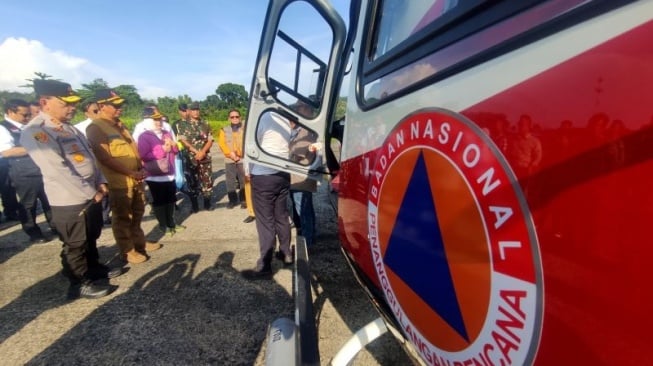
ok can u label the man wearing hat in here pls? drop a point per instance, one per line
(74, 184)
(195, 135)
(183, 116)
(120, 163)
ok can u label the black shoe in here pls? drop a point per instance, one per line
(38, 240)
(101, 271)
(88, 291)
(107, 222)
(287, 259)
(109, 273)
(195, 207)
(207, 204)
(114, 272)
(257, 274)
(231, 205)
(249, 219)
(243, 205)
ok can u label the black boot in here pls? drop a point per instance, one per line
(170, 215)
(233, 199)
(241, 198)
(160, 214)
(207, 204)
(194, 204)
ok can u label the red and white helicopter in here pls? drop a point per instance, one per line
(493, 169)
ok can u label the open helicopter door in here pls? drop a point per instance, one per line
(295, 76)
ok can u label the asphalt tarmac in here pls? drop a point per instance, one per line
(187, 305)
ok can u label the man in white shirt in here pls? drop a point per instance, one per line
(91, 111)
(270, 196)
(25, 175)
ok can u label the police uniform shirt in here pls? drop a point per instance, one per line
(70, 172)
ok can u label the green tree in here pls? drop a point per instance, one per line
(39, 75)
(130, 94)
(88, 90)
(6, 95)
(231, 96)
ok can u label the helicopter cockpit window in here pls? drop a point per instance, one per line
(398, 25)
(298, 61)
(423, 40)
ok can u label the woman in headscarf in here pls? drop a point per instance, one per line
(157, 149)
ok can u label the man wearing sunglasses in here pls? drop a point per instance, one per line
(25, 176)
(91, 111)
(75, 185)
(230, 140)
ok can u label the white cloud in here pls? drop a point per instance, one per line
(21, 58)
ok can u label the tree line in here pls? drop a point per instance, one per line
(215, 108)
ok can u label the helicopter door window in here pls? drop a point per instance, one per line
(296, 72)
(299, 57)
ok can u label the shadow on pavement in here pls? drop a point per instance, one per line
(173, 316)
(33, 301)
(13, 239)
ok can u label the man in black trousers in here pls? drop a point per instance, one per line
(25, 176)
(270, 195)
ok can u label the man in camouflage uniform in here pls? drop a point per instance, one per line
(196, 136)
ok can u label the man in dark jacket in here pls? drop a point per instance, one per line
(25, 176)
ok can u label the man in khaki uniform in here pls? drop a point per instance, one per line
(120, 163)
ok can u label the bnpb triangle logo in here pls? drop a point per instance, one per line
(454, 244)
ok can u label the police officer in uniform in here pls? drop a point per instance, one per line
(25, 176)
(74, 183)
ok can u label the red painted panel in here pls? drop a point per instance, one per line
(590, 196)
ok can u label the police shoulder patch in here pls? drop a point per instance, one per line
(41, 137)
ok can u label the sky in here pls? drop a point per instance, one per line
(163, 48)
